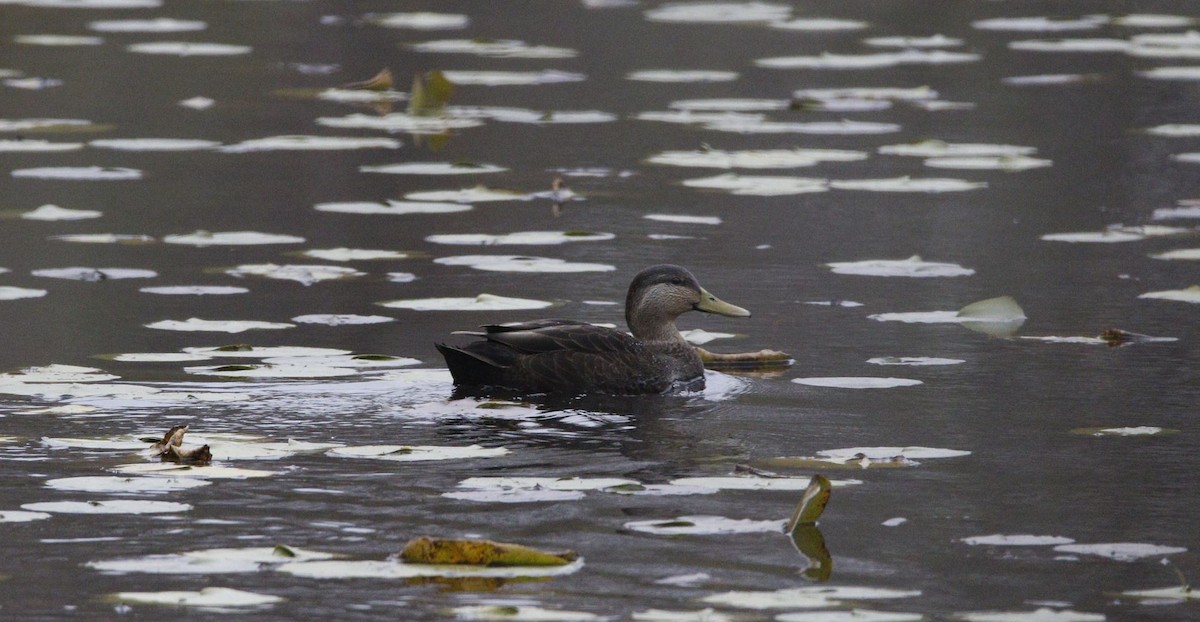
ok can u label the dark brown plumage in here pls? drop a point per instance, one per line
(565, 356)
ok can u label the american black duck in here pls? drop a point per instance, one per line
(565, 356)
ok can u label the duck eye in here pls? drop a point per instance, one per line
(676, 281)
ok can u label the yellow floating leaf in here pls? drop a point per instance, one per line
(427, 550)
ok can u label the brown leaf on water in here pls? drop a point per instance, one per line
(761, 360)
(427, 550)
(381, 81)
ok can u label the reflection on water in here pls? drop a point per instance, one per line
(223, 156)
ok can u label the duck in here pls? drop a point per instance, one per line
(567, 356)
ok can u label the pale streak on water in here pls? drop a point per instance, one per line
(1012, 403)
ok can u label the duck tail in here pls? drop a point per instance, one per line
(472, 368)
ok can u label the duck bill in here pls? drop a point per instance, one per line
(711, 304)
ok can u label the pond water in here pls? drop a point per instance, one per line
(1063, 471)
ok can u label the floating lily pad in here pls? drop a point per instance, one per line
(157, 357)
(819, 24)
(518, 238)
(210, 561)
(662, 615)
(168, 469)
(809, 597)
(1120, 551)
(271, 371)
(985, 163)
(399, 570)
(422, 20)
(155, 25)
(754, 483)
(478, 194)
(530, 489)
(1190, 294)
(681, 75)
(1172, 73)
(54, 212)
(9, 292)
(1140, 430)
(915, 361)
(207, 598)
(844, 127)
(311, 143)
(393, 207)
(1175, 593)
(852, 615)
(512, 78)
(344, 319)
(882, 453)
(912, 267)
(194, 290)
(760, 185)
(154, 144)
(304, 274)
(219, 326)
(198, 103)
(56, 373)
(58, 40)
(719, 12)
(353, 254)
(231, 238)
(248, 351)
(188, 48)
(433, 168)
(941, 149)
(1044, 614)
(123, 485)
(115, 506)
(482, 302)
(86, 173)
(1040, 24)
(1016, 540)
(496, 48)
(103, 238)
(684, 219)
(857, 382)
(48, 125)
(21, 516)
(516, 263)
(417, 453)
(27, 145)
(95, 274)
(907, 184)
(868, 61)
(755, 159)
(705, 525)
(520, 613)
(400, 122)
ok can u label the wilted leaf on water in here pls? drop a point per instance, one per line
(209, 597)
(427, 550)
(745, 361)
(429, 94)
(812, 503)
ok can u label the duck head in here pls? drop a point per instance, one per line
(661, 293)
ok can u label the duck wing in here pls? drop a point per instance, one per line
(544, 336)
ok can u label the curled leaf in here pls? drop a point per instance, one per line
(427, 550)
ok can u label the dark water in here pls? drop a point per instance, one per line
(1013, 403)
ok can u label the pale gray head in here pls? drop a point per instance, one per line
(661, 293)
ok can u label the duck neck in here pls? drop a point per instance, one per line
(653, 328)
